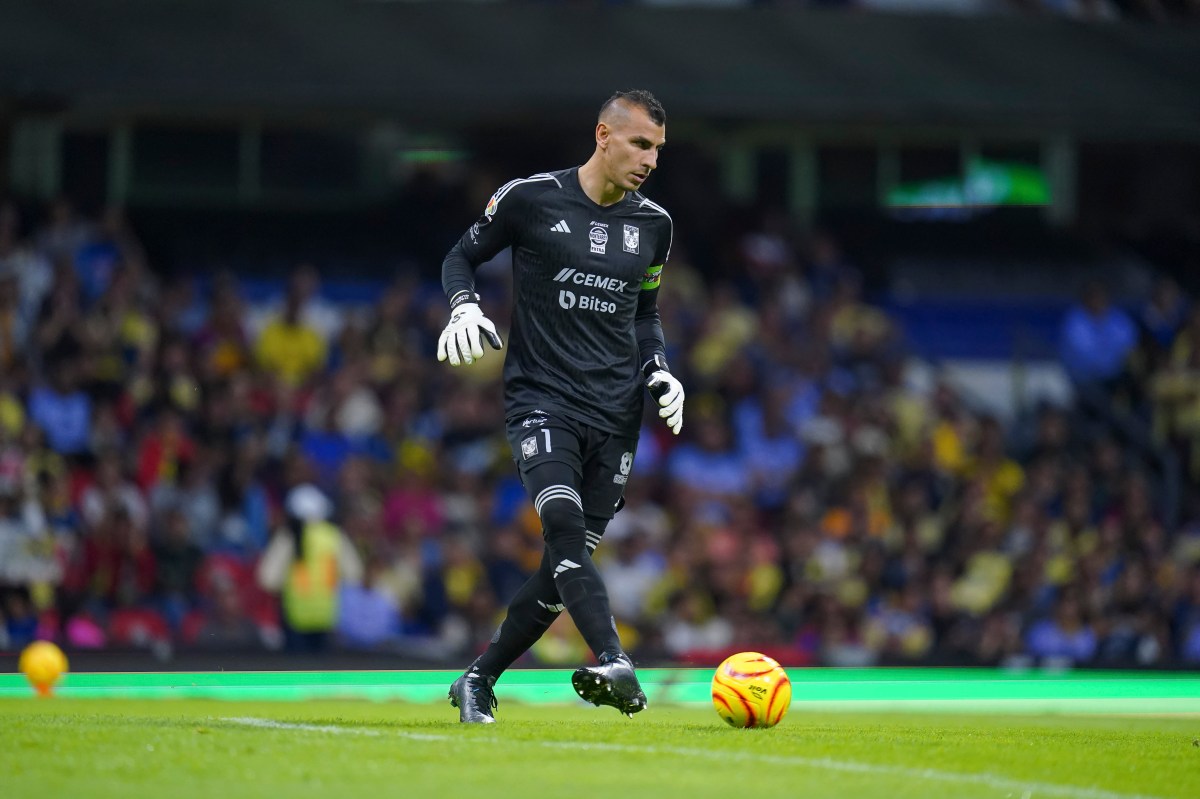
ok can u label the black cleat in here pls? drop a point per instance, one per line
(472, 694)
(612, 683)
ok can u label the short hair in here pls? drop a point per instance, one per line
(643, 100)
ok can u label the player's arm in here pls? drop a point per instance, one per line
(462, 340)
(647, 324)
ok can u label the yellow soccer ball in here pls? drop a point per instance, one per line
(751, 690)
(43, 664)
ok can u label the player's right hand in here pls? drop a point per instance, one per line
(462, 340)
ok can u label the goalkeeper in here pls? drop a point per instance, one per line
(588, 252)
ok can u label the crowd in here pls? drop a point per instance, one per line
(828, 502)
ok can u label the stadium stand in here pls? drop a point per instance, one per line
(834, 499)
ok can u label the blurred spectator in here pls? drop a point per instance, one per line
(221, 345)
(367, 614)
(65, 234)
(164, 451)
(692, 630)
(28, 556)
(289, 348)
(62, 409)
(1096, 339)
(707, 472)
(630, 571)
(244, 506)
(33, 270)
(14, 326)
(225, 625)
(111, 490)
(1162, 314)
(115, 568)
(313, 311)
(178, 561)
(100, 253)
(60, 320)
(306, 563)
(1064, 637)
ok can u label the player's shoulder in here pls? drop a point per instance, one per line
(525, 189)
(644, 206)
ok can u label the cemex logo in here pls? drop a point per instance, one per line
(569, 275)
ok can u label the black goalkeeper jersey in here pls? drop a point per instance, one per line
(585, 315)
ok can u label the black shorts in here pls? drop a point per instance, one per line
(601, 461)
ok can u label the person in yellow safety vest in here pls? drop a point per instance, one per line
(306, 562)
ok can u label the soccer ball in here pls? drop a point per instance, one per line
(751, 690)
(43, 664)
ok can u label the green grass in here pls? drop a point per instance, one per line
(131, 748)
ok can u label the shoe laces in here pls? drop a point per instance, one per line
(485, 686)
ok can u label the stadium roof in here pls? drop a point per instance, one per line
(455, 63)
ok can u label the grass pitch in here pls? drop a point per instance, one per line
(132, 748)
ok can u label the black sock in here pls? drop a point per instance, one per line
(583, 592)
(581, 587)
(531, 612)
(555, 491)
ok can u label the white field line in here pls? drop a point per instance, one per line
(1023, 788)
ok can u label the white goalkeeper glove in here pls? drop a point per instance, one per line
(667, 390)
(462, 340)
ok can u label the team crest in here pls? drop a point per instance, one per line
(529, 447)
(632, 239)
(599, 239)
(490, 211)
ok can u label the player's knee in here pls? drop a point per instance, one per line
(560, 518)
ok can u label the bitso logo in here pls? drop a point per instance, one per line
(568, 300)
(599, 239)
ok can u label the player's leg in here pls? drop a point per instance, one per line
(555, 488)
(533, 609)
(537, 603)
(606, 467)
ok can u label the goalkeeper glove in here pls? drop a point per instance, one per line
(667, 390)
(461, 341)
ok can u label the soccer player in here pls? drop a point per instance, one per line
(588, 253)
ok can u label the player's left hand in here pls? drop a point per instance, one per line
(669, 393)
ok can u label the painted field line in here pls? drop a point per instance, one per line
(993, 781)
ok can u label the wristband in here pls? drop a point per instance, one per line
(462, 296)
(656, 364)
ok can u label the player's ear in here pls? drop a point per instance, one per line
(602, 134)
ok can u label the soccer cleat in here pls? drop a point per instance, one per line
(612, 683)
(472, 694)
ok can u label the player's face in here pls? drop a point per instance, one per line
(634, 141)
